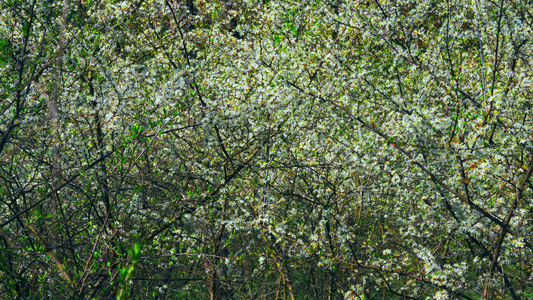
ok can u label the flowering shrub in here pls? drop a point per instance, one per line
(266, 149)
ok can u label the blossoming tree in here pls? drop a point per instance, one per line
(325, 149)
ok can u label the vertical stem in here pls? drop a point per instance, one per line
(53, 111)
(482, 70)
(53, 114)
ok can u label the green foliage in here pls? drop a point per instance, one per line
(5, 51)
(126, 273)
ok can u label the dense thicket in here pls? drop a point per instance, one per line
(322, 149)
